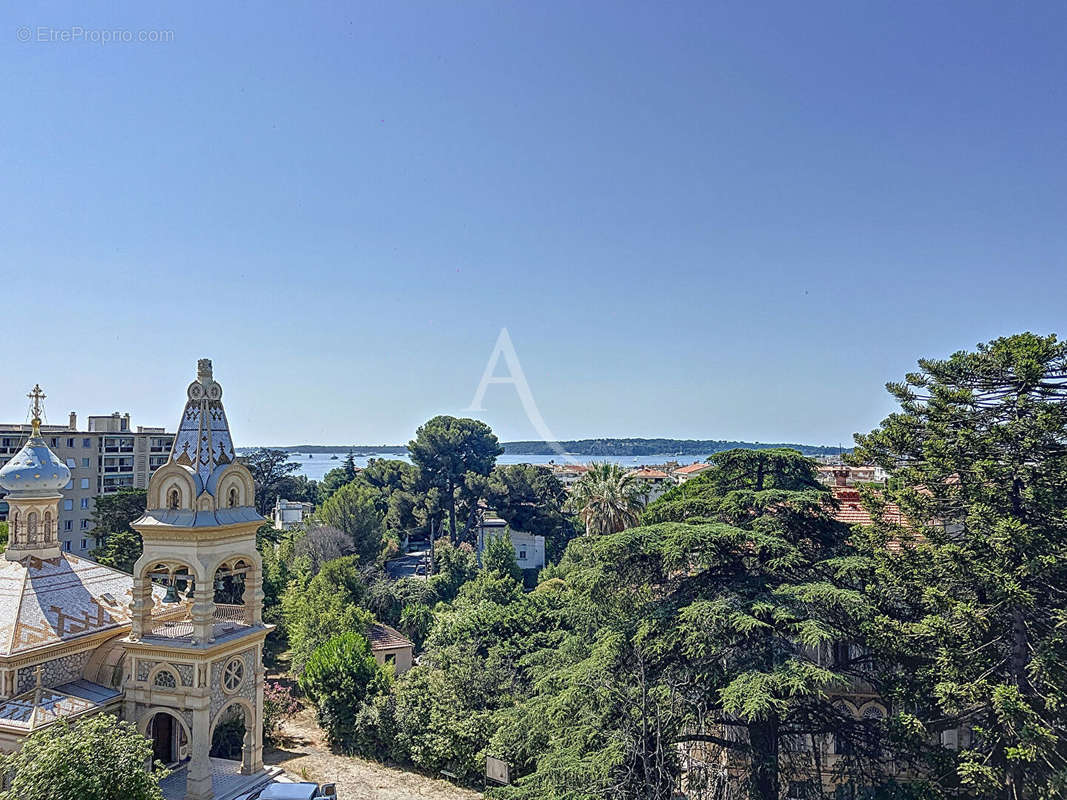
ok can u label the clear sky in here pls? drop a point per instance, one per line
(696, 219)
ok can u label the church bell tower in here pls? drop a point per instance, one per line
(186, 675)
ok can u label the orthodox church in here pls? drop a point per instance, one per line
(176, 648)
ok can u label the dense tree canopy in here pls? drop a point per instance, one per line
(446, 450)
(340, 676)
(353, 510)
(96, 758)
(328, 604)
(708, 629)
(976, 598)
(113, 513)
(531, 499)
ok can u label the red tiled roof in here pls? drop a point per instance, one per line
(851, 511)
(382, 637)
(648, 473)
(691, 468)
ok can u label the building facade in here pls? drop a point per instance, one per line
(176, 648)
(529, 549)
(290, 514)
(110, 455)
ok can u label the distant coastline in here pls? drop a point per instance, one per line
(586, 447)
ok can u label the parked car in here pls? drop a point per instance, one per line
(292, 791)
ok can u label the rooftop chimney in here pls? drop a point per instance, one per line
(73, 424)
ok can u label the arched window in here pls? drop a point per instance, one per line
(47, 525)
(842, 744)
(174, 499)
(165, 679)
(233, 497)
(31, 526)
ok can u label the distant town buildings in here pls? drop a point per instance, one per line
(654, 481)
(290, 513)
(682, 474)
(107, 456)
(568, 474)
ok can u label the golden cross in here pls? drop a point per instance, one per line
(36, 395)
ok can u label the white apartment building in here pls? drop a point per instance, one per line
(107, 456)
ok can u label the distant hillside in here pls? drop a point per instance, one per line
(654, 447)
(588, 447)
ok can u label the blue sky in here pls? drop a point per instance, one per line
(701, 220)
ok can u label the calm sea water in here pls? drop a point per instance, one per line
(316, 465)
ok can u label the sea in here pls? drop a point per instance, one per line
(316, 465)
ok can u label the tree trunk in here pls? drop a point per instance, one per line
(1019, 659)
(452, 512)
(763, 737)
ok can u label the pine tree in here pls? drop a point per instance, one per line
(976, 591)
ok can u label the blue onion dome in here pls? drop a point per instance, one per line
(34, 471)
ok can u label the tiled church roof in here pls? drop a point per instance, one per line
(203, 440)
(47, 601)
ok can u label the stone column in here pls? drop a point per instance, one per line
(247, 747)
(252, 597)
(198, 773)
(141, 606)
(257, 723)
(202, 611)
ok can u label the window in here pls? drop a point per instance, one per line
(390, 658)
(85, 524)
(85, 483)
(233, 675)
(55, 441)
(233, 497)
(174, 499)
(165, 679)
(85, 502)
(70, 442)
(87, 442)
(70, 463)
(85, 463)
(83, 543)
(68, 525)
(70, 485)
(841, 654)
(66, 545)
(68, 505)
(522, 554)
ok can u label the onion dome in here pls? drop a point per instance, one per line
(34, 471)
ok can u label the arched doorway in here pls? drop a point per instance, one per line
(170, 743)
(233, 734)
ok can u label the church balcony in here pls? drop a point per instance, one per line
(226, 620)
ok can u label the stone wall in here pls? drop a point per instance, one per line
(54, 673)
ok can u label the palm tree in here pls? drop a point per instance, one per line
(606, 498)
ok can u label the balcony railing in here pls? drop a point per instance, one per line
(226, 618)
